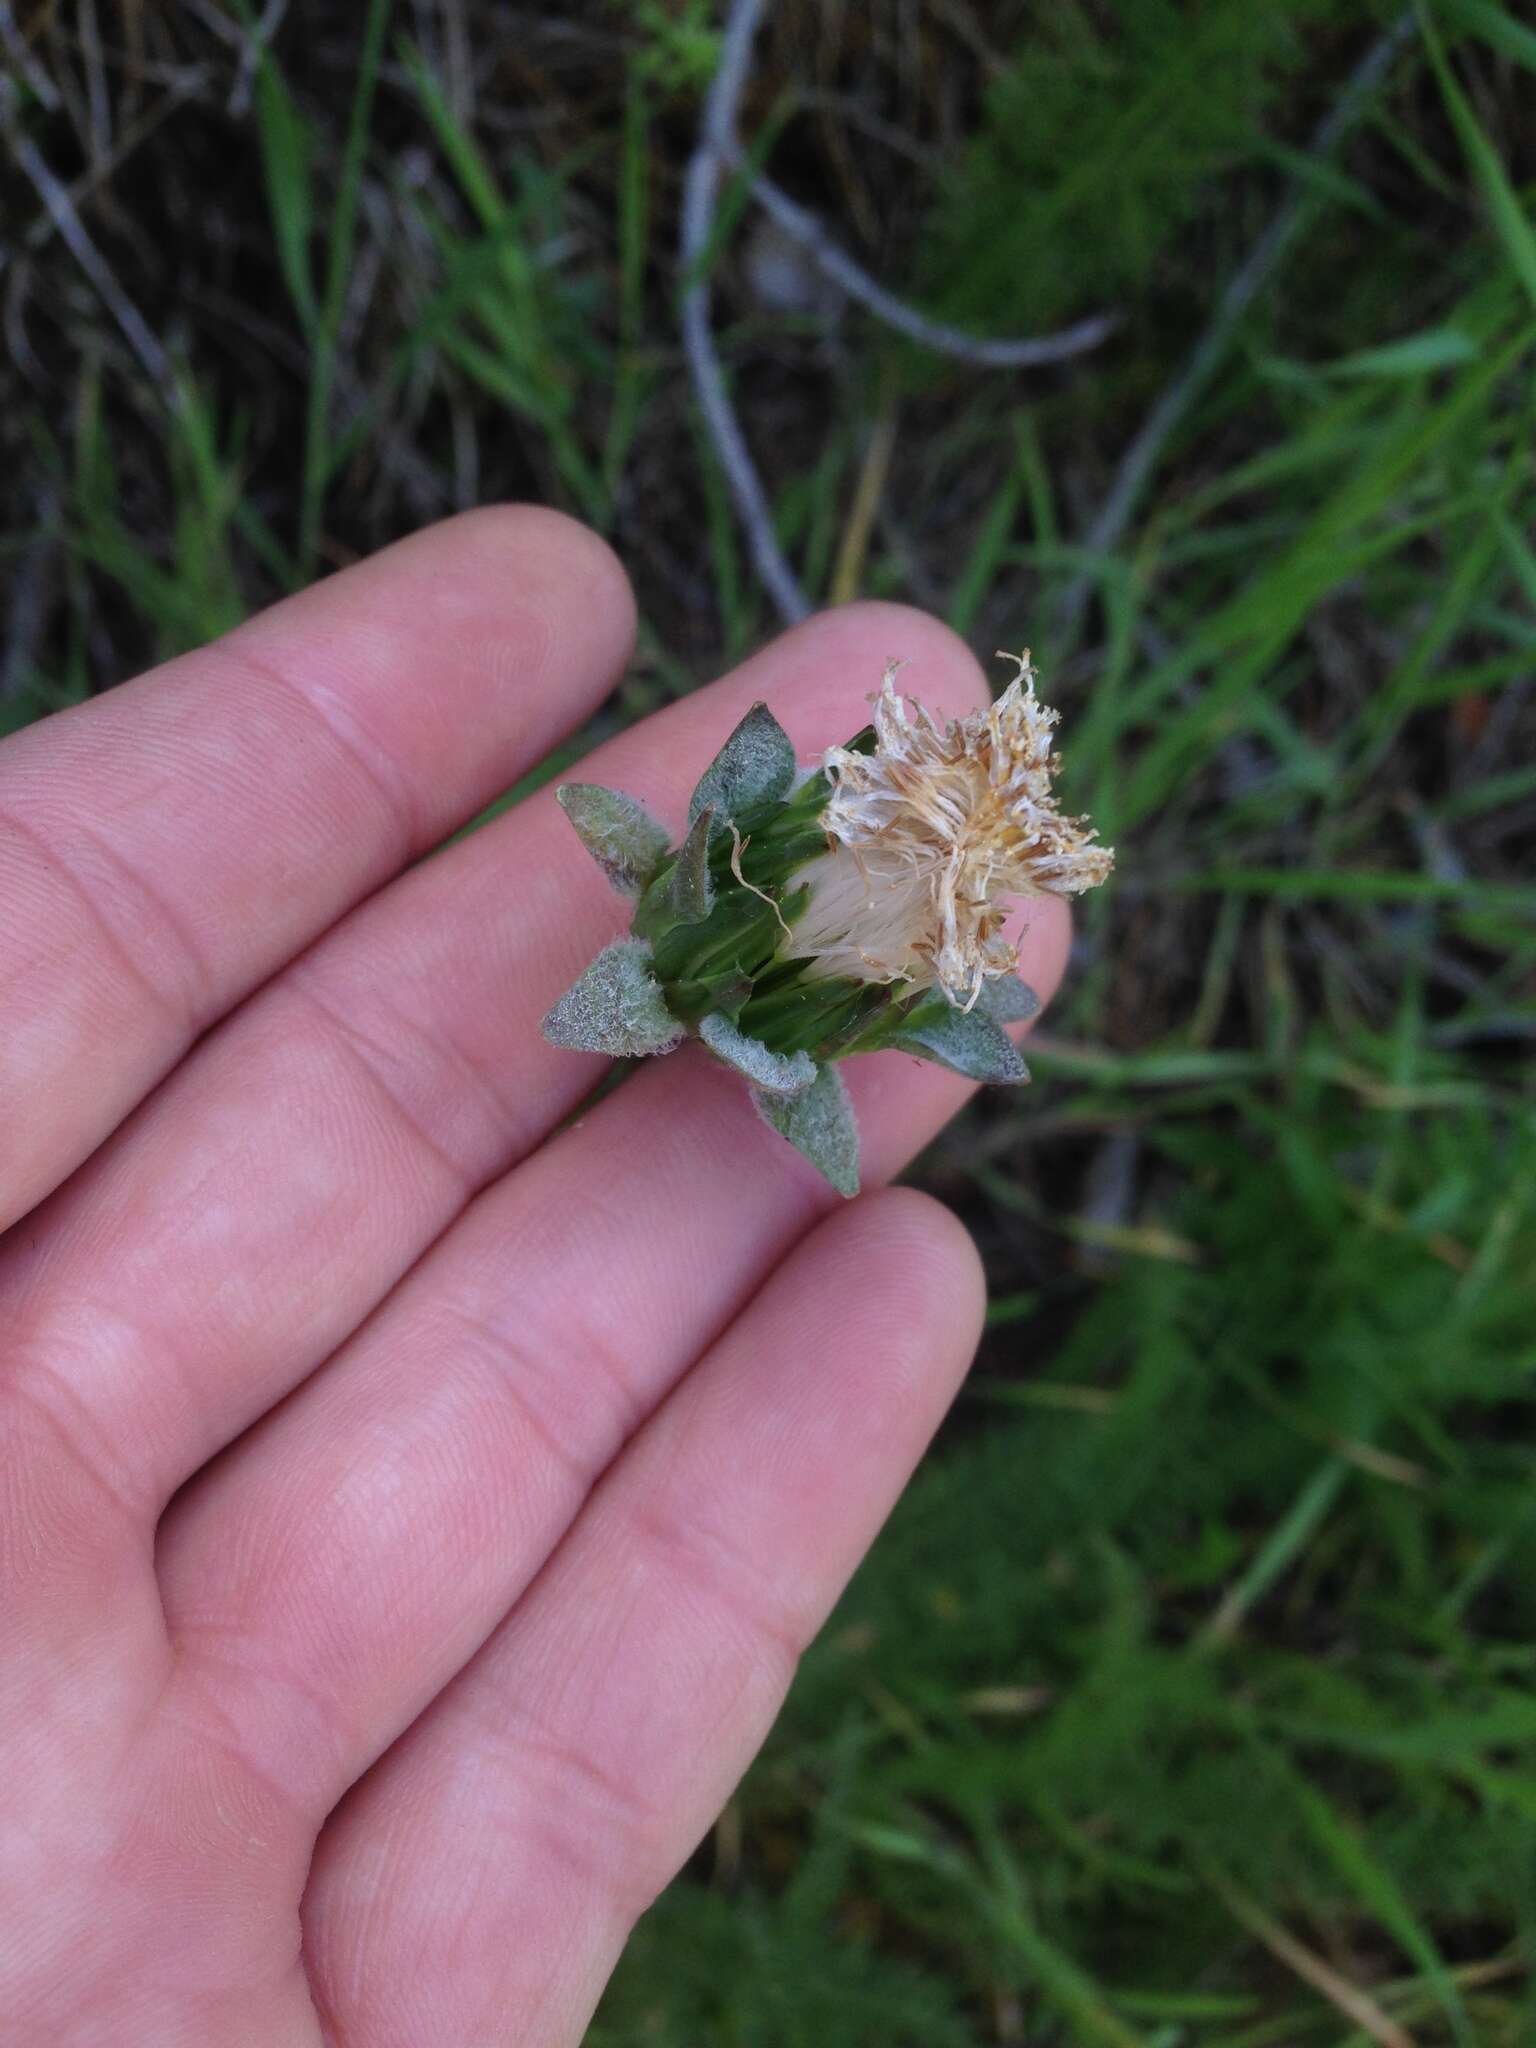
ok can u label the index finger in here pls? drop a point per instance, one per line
(166, 847)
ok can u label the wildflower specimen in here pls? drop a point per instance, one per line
(813, 913)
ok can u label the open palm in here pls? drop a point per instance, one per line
(409, 1520)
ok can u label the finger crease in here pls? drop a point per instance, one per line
(374, 763)
(511, 1360)
(528, 1747)
(365, 1056)
(208, 1657)
(186, 1007)
(68, 1415)
(713, 1564)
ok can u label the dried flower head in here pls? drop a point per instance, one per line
(807, 915)
(934, 833)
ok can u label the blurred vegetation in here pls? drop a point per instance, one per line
(1188, 1697)
(1115, 121)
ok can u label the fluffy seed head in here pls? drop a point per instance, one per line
(931, 837)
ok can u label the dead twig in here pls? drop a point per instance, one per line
(873, 472)
(41, 85)
(129, 137)
(90, 259)
(1356, 2004)
(701, 187)
(251, 40)
(719, 146)
(834, 263)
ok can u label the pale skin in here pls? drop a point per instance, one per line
(408, 1526)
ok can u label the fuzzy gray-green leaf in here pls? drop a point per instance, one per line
(756, 765)
(616, 1007)
(776, 1073)
(818, 1123)
(627, 843)
(1007, 1000)
(968, 1042)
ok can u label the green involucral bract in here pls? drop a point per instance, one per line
(777, 1073)
(966, 1040)
(683, 893)
(617, 1007)
(755, 766)
(711, 953)
(819, 1123)
(627, 843)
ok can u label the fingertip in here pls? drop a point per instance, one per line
(936, 1250)
(821, 676)
(455, 634)
(1041, 928)
(537, 560)
(547, 545)
(915, 1269)
(939, 669)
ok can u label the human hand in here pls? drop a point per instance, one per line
(409, 1521)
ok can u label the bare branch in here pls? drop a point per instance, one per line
(90, 259)
(719, 144)
(43, 88)
(700, 192)
(835, 263)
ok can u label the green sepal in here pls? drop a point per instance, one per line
(756, 765)
(776, 1073)
(967, 1041)
(1007, 1000)
(689, 890)
(819, 1124)
(615, 1007)
(683, 892)
(627, 843)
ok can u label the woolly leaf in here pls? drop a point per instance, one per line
(1007, 1000)
(627, 843)
(776, 1073)
(756, 765)
(968, 1042)
(818, 1123)
(616, 1007)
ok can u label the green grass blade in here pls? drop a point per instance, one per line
(1417, 355)
(338, 271)
(981, 564)
(287, 154)
(1365, 886)
(1278, 1550)
(1496, 27)
(1510, 220)
(1378, 1889)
